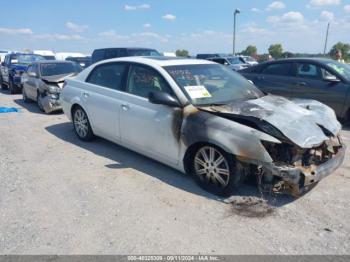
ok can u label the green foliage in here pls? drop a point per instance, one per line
(343, 47)
(276, 51)
(182, 53)
(250, 50)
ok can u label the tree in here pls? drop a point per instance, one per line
(344, 48)
(183, 53)
(276, 50)
(250, 51)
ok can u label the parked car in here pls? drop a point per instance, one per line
(3, 53)
(13, 67)
(63, 55)
(324, 80)
(47, 54)
(249, 60)
(43, 82)
(205, 56)
(202, 118)
(233, 62)
(108, 53)
(84, 62)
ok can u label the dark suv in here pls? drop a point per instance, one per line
(108, 53)
(12, 69)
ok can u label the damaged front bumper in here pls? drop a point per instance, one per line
(298, 179)
(51, 103)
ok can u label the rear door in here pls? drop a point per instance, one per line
(311, 84)
(102, 98)
(147, 127)
(275, 78)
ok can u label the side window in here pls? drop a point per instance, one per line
(35, 69)
(111, 53)
(309, 71)
(143, 80)
(279, 69)
(30, 69)
(7, 59)
(108, 75)
(98, 55)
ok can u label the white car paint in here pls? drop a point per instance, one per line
(64, 55)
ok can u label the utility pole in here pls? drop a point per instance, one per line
(325, 43)
(237, 11)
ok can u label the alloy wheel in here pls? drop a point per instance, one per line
(211, 167)
(81, 124)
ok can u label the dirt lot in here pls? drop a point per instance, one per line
(59, 195)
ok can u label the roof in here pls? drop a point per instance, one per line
(160, 60)
(52, 62)
(129, 48)
(308, 59)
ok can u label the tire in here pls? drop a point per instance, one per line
(12, 87)
(25, 97)
(82, 125)
(39, 102)
(215, 171)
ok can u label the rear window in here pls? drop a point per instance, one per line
(279, 69)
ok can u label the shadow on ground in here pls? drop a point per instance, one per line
(125, 158)
(32, 107)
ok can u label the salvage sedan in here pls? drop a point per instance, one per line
(43, 81)
(206, 120)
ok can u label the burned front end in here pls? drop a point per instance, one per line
(303, 147)
(295, 169)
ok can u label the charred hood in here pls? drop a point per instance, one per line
(306, 123)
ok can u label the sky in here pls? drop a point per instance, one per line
(199, 26)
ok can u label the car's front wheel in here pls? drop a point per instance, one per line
(25, 97)
(215, 170)
(12, 87)
(82, 125)
(39, 100)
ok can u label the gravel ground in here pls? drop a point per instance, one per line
(59, 195)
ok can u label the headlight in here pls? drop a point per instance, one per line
(53, 89)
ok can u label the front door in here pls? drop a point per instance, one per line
(150, 128)
(312, 84)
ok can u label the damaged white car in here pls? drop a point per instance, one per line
(206, 120)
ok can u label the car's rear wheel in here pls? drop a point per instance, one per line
(215, 170)
(81, 124)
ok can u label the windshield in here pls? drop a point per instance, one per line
(50, 69)
(235, 60)
(28, 59)
(211, 84)
(143, 53)
(342, 69)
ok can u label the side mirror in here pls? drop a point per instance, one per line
(162, 98)
(331, 78)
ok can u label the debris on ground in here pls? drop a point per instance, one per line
(250, 206)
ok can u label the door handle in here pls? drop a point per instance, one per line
(125, 107)
(86, 95)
